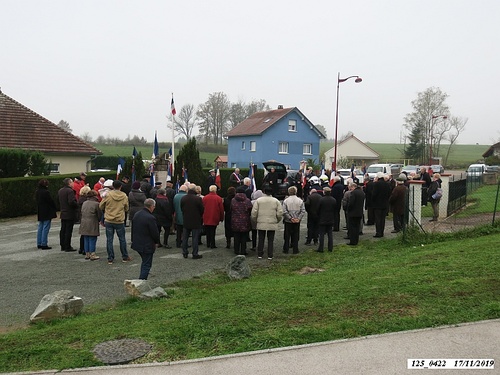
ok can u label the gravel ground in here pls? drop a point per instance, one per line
(27, 274)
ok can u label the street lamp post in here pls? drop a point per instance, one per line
(339, 80)
(431, 134)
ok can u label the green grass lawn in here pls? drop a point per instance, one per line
(379, 287)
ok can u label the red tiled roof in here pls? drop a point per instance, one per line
(23, 128)
(258, 122)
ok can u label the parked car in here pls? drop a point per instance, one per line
(492, 168)
(410, 168)
(375, 168)
(346, 173)
(286, 178)
(437, 168)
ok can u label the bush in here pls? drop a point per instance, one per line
(20, 163)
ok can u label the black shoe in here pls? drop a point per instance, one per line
(185, 256)
(167, 246)
(45, 247)
(81, 251)
(70, 249)
(213, 247)
(39, 246)
(378, 236)
(197, 256)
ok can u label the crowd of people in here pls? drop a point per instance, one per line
(250, 216)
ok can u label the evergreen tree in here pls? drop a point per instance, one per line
(189, 158)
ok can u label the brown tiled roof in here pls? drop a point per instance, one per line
(258, 122)
(221, 158)
(23, 128)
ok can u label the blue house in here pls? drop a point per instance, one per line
(283, 134)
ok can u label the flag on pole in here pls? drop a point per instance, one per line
(152, 174)
(217, 177)
(304, 170)
(251, 177)
(119, 168)
(156, 149)
(134, 154)
(322, 169)
(172, 106)
(169, 169)
(332, 176)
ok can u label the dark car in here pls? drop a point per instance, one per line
(286, 178)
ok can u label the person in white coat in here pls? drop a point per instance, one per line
(267, 213)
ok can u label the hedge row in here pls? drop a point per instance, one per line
(17, 195)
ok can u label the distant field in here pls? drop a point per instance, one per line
(461, 155)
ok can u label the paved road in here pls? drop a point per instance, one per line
(27, 274)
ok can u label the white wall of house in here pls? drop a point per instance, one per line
(351, 149)
(70, 164)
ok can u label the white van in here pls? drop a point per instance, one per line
(476, 170)
(375, 168)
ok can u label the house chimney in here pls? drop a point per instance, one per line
(280, 106)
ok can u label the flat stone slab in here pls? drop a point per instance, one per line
(118, 352)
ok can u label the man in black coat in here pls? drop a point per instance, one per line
(380, 202)
(69, 214)
(338, 193)
(312, 205)
(145, 236)
(355, 213)
(192, 212)
(326, 219)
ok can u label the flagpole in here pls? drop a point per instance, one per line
(172, 111)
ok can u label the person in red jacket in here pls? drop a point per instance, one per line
(78, 183)
(212, 215)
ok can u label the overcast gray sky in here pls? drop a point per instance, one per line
(109, 67)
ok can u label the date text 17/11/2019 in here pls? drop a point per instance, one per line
(448, 363)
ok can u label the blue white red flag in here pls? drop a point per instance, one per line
(217, 178)
(172, 106)
(156, 149)
(251, 176)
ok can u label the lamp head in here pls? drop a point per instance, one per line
(358, 80)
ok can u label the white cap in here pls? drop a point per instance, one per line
(108, 183)
(380, 175)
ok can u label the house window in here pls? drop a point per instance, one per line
(54, 168)
(292, 125)
(253, 146)
(242, 145)
(307, 149)
(283, 148)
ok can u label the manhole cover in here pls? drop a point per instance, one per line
(117, 352)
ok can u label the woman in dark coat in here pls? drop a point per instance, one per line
(163, 213)
(241, 208)
(46, 211)
(434, 186)
(231, 192)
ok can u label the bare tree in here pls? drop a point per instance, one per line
(257, 106)
(457, 126)
(420, 123)
(185, 121)
(214, 116)
(86, 137)
(238, 113)
(64, 125)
